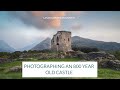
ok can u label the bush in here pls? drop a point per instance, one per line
(85, 49)
(4, 54)
(2, 69)
(15, 55)
(116, 54)
(46, 50)
(39, 51)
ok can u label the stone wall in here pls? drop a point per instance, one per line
(61, 41)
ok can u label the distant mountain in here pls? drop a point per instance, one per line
(4, 47)
(82, 42)
(79, 42)
(45, 44)
(28, 47)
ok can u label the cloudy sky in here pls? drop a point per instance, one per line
(22, 28)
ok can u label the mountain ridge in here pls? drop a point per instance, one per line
(45, 44)
(28, 47)
(79, 41)
(4, 47)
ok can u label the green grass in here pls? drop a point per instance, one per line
(11, 64)
(108, 74)
(11, 75)
(102, 73)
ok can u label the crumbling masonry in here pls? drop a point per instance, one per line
(61, 41)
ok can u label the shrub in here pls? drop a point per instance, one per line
(116, 54)
(15, 55)
(85, 49)
(4, 54)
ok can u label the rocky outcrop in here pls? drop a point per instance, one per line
(100, 55)
(71, 54)
(115, 64)
(96, 56)
(4, 60)
(15, 69)
(105, 60)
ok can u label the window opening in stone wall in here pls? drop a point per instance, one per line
(57, 41)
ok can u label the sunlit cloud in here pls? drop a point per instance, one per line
(22, 28)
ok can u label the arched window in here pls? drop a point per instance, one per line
(57, 39)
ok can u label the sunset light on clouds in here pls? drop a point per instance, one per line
(21, 28)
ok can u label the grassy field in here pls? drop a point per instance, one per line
(102, 73)
(108, 74)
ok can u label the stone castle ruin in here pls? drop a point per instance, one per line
(61, 41)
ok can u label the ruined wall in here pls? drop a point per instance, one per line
(61, 41)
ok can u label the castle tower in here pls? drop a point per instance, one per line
(61, 41)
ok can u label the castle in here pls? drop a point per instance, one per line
(61, 41)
